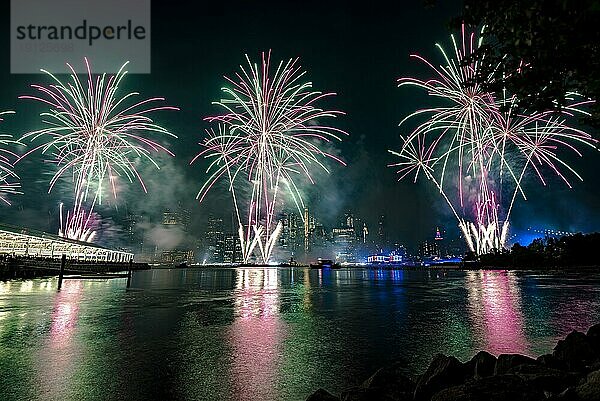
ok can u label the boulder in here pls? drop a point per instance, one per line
(391, 382)
(481, 365)
(550, 361)
(506, 362)
(493, 388)
(590, 388)
(549, 380)
(575, 351)
(367, 394)
(322, 395)
(593, 335)
(567, 395)
(594, 365)
(443, 372)
(594, 332)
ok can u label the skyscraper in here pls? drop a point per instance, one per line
(215, 240)
(382, 238)
(348, 220)
(344, 239)
(432, 248)
(306, 231)
(179, 216)
(292, 232)
(232, 248)
(296, 232)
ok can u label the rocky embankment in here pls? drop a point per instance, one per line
(570, 373)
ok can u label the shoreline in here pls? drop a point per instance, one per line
(570, 373)
(393, 267)
(45, 268)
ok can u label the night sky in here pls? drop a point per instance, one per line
(356, 53)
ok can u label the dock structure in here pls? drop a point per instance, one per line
(19, 241)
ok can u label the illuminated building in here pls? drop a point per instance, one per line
(284, 237)
(382, 240)
(344, 239)
(309, 229)
(318, 236)
(380, 258)
(177, 256)
(296, 236)
(130, 226)
(428, 249)
(215, 240)
(177, 217)
(232, 249)
(438, 235)
(439, 243)
(377, 259)
(292, 233)
(134, 235)
(362, 232)
(363, 247)
(348, 220)
(432, 248)
(549, 232)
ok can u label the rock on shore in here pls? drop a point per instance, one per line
(570, 373)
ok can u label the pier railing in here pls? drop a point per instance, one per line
(23, 242)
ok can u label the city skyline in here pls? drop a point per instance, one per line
(350, 239)
(365, 186)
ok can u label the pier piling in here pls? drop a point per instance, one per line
(129, 273)
(63, 261)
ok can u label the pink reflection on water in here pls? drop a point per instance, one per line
(495, 309)
(256, 335)
(58, 356)
(65, 314)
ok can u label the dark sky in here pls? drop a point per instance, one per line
(355, 52)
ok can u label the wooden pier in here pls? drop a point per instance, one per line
(20, 267)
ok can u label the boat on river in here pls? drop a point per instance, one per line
(325, 264)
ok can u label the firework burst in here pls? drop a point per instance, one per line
(95, 136)
(9, 184)
(476, 148)
(268, 134)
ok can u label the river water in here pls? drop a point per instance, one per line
(269, 334)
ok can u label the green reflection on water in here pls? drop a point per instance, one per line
(269, 334)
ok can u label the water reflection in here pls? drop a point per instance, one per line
(494, 302)
(65, 314)
(269, 334)
(256, 293)
(26, 286)
(305, 291)
(57, 359)
(4, 289)
(255, 334)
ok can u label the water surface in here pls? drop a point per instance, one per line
(269, 334)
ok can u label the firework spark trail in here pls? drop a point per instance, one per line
(9, 184)
(268, 134)
(97, 136)
(479, 139)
